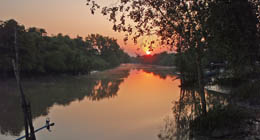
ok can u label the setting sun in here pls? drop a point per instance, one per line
(148, 52)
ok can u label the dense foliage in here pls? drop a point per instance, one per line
(42, 54)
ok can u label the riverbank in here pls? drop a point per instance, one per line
(235, 119)
(233, 110)
(233, 122)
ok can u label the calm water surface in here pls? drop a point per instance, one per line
(129, 102)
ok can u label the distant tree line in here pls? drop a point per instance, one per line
(163, 59)
(42, 54)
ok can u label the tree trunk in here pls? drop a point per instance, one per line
(200, 83)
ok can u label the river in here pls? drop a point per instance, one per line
(130, 102)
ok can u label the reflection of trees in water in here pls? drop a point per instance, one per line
(10, 112)
(187, 109)
(161, 71)
(104, 89)
(184, 111)
(162, 74)
(47, 92)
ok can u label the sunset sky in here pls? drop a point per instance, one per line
(69, 17)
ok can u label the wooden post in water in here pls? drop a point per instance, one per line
(25, 106)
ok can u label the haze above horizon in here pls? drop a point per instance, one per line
(71, 18)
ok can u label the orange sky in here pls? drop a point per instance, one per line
(70, 17)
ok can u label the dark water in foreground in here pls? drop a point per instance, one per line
(130, 102)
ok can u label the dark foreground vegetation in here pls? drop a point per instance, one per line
(43, 54)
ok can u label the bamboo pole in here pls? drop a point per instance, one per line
(25, 106)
